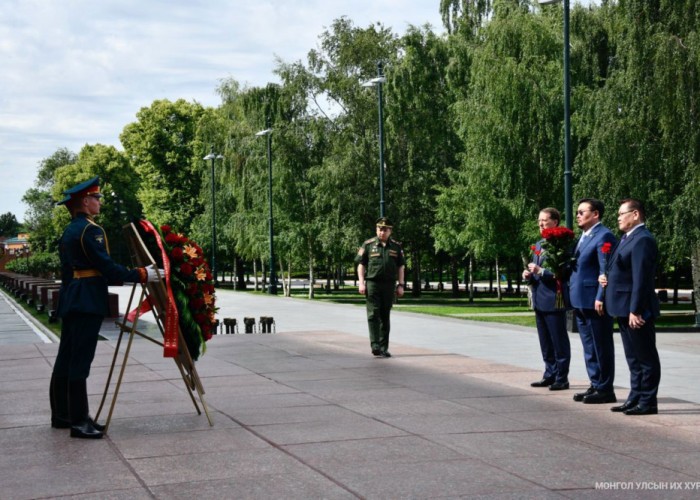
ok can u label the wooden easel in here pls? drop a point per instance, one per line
(156, 294)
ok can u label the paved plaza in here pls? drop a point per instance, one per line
(307, 412)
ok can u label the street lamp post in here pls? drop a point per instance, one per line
(377, 82)
(272, 286)
(568, 204)
(213, 157)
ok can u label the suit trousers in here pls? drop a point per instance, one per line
(380, 299)
(554, 343)
(598, 348)
(643, 361)
(79, 334)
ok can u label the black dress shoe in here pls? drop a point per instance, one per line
(97, 426)
(62, 423)
(642, 410)
(598, 398)
(624, 406)
(85, 430)
(376, 352)
(580, 395)
(545, 382)
(559, 386)
(386, 354)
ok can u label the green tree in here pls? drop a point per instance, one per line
(161, 148)
(9, 226)
(118, 184)
(41, 201)
(423, 143)
(509, 120)
(644, 121)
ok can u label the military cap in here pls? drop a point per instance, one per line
(384, 222)
(89, 187)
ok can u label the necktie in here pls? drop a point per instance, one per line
(580, 241)
(624, 237)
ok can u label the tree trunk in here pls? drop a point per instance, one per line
(415, 273)
(471, 279)
(240, 274)
(695, 264)
(312, 278)
(499, 292)
(255, 274)
(455, 280)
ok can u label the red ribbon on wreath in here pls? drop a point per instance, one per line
(171, 334)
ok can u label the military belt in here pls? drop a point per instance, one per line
(85, 273)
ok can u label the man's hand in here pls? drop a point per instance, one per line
(399, 291)
(636, 321)
(362, 288)
(603, 280)
(599, 308)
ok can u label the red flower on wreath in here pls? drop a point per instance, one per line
(191, 281)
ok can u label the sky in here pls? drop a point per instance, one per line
(75, 72)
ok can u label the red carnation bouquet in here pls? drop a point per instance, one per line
(193, 288)
(558, 250)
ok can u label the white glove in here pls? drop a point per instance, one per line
(153, 273)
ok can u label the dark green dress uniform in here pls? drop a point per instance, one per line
(382, 262)
(86, 271)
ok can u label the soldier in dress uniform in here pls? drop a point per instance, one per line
(380, 262)
(86, 270)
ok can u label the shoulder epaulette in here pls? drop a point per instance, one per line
(367, 242)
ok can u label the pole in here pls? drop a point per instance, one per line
(568, 204)
(272, 286)
(380, 78)
(213, 218)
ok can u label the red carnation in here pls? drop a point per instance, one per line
(165, 228)
(606, 247)
(186, 269)
(172, 239)
(557, 232)
(177, 254)
(196, 304)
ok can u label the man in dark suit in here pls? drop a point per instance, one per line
(550, 319)
(631, 298)
(86, 270)
(586, 294)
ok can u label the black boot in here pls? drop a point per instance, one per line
(82, 425)
(58, 397)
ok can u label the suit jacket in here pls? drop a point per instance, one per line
(631, 270)
(544, 288)
(83, 247)
(584, 288)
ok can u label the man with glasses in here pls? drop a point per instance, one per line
(86, 270)
(550, 318)
(630, 297)
(586, 294)
(380, 262)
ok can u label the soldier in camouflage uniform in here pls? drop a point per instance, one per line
(380, 262)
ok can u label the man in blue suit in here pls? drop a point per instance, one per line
(631, 298)
(586, 294)
(550, 319)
